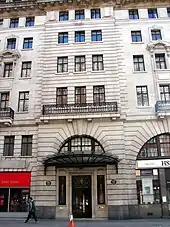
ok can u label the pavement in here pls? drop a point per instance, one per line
(88, 223)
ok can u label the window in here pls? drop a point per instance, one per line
(62, 190)
(168, 12)
(80, 95)
(165, 92)
(136, 36)
(26, 69)
(26, 146)
(96, 35)
(63, 16)
(97, 62)
(80, 36)
(23, 101)
(158, 146)
(133, 14)
(152, 13)
(80, 63)
(61, 98)
(160, 61)
(8, 146)
(142, 96)
(148, 186)
(28, 43)
(8, 69)
(4, 100)
(11, 44)
(79, 14)
(98, 94)
(81, 144)
(100, 189)
(156, 34)
(62, 64)
(63, 37)
(138, 62)
(29, 21)
(95, 13)
(14, 23)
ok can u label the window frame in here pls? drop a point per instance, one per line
(80, 36)
(26, 69)
(142, 99)
(6, 100)
(8, 68)
(79, 14)
(139, 63)
(61, 96)
(98, 62)
(153, 13)
(164, 92)
(155, 33)
(159, 62)
(62, 64)
(14, 23)
(29, 22)
(80, 61)
(25, 105)
(96, 35)
(62, 36)
(8, 149)
(29, 42)
(64, 15)
(28, 144)
(136, 36)
(95, 13)
(98, 95)
(80, 95)
(11, 42)
(133, 14)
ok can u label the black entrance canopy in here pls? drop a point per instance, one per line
(81, 151)
(62, 160)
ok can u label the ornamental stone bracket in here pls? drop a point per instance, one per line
(12, 55)
(158, 45)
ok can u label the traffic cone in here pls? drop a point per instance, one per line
(71, 222)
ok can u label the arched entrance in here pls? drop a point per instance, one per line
(153, 176)
(82, 187)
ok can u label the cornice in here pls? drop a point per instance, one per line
(44, 5)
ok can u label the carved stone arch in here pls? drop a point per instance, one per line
(145, 132)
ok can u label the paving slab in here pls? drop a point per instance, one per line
(88, 223)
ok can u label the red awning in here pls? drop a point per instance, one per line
(15, 179)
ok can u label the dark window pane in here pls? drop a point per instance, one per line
(8, 145)
(100, 189)
(26, 147)
(62, 190)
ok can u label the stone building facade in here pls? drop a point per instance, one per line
(84, 108)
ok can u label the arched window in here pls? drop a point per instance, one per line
(158, 146)
(81, 144)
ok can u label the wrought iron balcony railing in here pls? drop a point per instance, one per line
(54, 109)
(7, 113)
(162, 106)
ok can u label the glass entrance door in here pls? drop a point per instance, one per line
(81, 196)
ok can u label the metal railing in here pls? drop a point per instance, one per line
(162, 106)
(7, 113)
(54, 109)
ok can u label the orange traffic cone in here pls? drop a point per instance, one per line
(71, 222)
